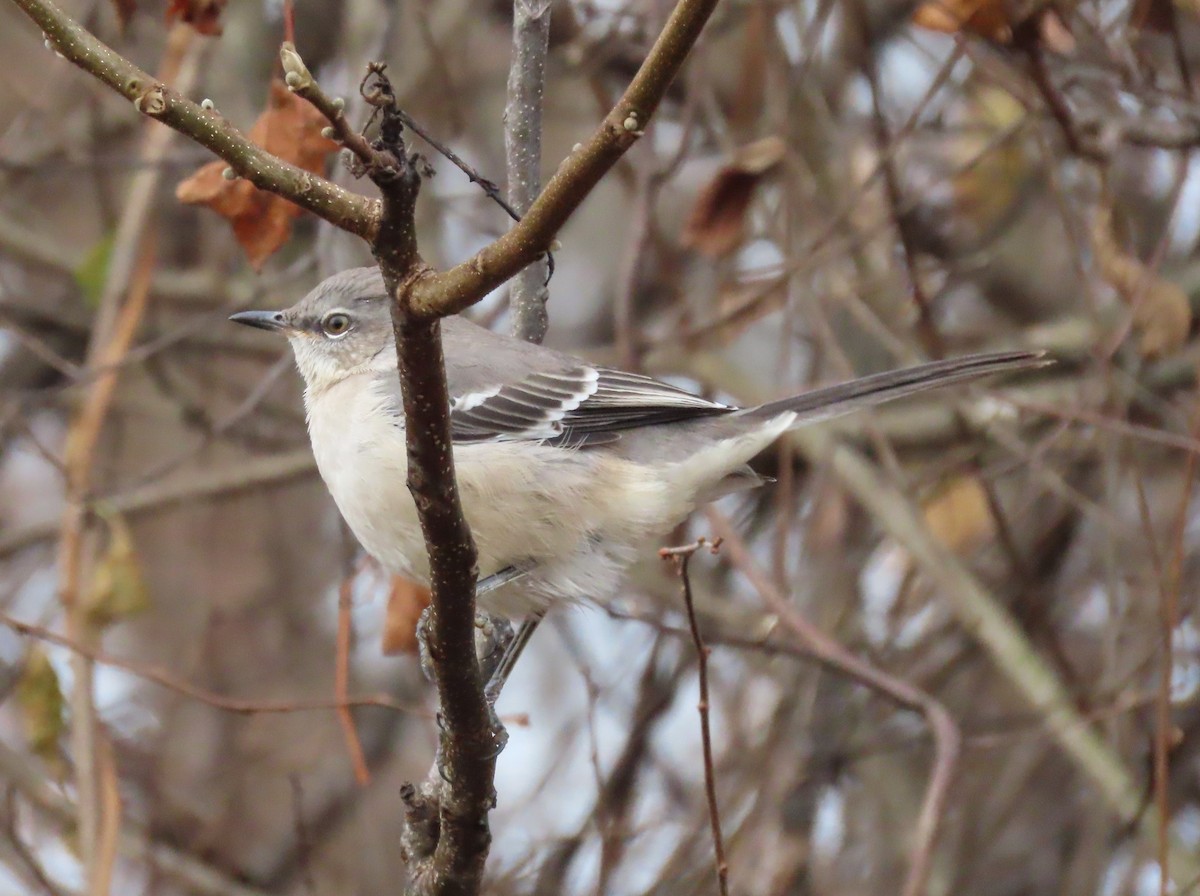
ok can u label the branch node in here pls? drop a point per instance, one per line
(153, 102)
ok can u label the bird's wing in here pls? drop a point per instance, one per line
(576, 406)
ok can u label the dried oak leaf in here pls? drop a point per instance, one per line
(290, 128)
(203, 15)
(406, 600)
(718, 219)
(992, 19)
(995, 20)
(959, 516)
(1162, 315)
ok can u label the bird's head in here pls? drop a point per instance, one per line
(342, 327)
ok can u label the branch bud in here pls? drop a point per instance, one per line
(295, 73)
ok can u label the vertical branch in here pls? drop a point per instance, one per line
(682, 556)
(122, 304)
(83, 436)
(341, 681)
(1172, 583)
(523, 151)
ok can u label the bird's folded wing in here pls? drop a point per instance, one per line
(577, 406)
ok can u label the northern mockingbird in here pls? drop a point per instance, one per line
(567, 470)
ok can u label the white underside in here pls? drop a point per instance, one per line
(575, 519)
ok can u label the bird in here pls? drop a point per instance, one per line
(567, 470)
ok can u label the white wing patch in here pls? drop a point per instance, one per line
(578, 407)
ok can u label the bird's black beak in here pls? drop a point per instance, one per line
(264, 320)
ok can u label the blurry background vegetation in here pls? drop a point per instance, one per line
(833, 187)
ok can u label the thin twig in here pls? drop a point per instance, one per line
(82, 440)
(489, 187)
(681, 556)
(341, 686)
(349, 211)
(464, 284)
(947, 740)
(985, 619)
(165, 679)
(300, 81)
(123, 301)
(253, 473)
(133, 842)
(1172, 584)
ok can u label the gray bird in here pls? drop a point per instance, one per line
(567, 470)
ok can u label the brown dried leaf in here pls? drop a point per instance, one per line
(958, 515)
(1054, 33)
(406, 600)
(991, 19)
(290, 128)
(1162, 315)
(203, 15)
(991, 164)
(718, 219)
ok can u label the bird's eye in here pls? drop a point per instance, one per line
(336, 324)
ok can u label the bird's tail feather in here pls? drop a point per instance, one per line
(833, 401)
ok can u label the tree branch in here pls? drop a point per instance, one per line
(466, 283)
(349, 211)
(523, 148)
(984, 619)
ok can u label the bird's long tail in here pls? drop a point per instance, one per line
(833, 401)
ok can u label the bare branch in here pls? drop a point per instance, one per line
(165, 679)
(946, 737)
(349, 211)
(523, 147)
(681, 556)
(134, 843)
(985, 619)
(466, 283)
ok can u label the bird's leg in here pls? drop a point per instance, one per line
(423, 657)
(497, 647)
(493, 634)
(512, 652)
(498, 664)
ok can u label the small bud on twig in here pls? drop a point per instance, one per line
(295, 73)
